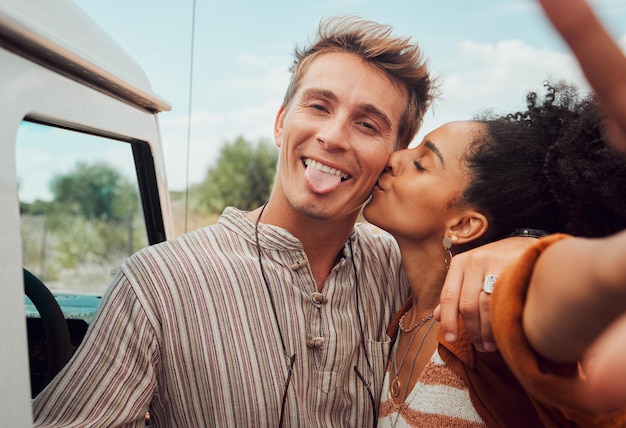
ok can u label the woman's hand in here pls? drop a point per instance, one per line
(463, 293)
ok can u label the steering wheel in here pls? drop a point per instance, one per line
(57, 333)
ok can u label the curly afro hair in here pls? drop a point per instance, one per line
(547, 168)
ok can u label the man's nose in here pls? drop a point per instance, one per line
(335, 134)
(396, 160)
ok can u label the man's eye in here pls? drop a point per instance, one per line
(318, 107)
(369, 126)
(418, 165)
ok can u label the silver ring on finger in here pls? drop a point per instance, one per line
(489, 283)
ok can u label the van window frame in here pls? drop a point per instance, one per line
(144, 169)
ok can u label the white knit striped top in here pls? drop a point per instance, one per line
(186, 331)
(440, 398)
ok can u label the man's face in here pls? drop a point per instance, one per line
(336, 136)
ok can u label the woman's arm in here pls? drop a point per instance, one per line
(577, 289)
(600, 58)
(576, 310)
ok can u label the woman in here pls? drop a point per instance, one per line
(466, 184)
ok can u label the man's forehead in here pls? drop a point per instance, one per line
(348, 77)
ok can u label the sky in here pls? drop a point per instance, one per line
(487, 54)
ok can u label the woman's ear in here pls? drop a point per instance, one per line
(468, 226)
(278, 126)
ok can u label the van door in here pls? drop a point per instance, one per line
(75, 110)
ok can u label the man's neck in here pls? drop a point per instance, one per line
(323, 240)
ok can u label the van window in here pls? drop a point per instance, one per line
(80, 208)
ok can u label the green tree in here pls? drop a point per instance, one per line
(95, 192)
(93, 218)
(242, 176)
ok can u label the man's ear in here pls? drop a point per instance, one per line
(468, 226)
(278, 126)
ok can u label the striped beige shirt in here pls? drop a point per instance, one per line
(186, 331)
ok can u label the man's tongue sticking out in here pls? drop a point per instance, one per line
(320, 181)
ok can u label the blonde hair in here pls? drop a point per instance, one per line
(399, 58)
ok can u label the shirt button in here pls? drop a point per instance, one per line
(319, 298)
(315, 342)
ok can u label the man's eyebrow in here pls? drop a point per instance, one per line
(430, 145)
(368, 108)
(316, 92)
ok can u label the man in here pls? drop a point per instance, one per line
(276, 316)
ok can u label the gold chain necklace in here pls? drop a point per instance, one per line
(395, 383)
(418, 324)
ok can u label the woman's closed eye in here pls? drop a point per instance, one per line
(418, 165)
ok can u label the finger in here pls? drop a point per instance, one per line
(449, 300)
(437, 313)
(469, 307)
(488, 340)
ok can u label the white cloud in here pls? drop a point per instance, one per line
(209, 132)
(274, 79)
(260, 61)
(252, 106)
(497, 76)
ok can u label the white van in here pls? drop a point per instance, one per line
(82, 178)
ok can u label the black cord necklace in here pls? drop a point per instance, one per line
(289, 359)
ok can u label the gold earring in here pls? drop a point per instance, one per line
(447, 244)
